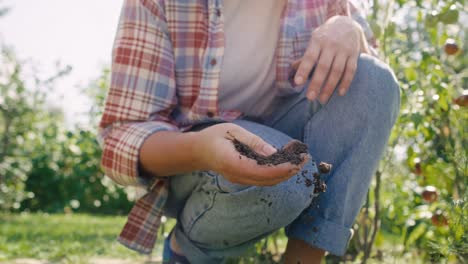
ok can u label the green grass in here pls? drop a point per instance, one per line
(66, 238)
(78, 238)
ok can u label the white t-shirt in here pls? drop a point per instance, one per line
(248, 70)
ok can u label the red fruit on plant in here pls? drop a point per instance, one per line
(461, 100)
(451, 47)
(429, 194)
(417, 168)
(439, 219)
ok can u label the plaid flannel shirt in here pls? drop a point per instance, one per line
(166, 65)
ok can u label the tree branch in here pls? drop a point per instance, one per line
(376, 222)
(5, 139)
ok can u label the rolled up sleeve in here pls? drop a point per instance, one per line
(142, 90)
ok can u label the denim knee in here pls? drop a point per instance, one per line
(250, 212)
(284, 201)
(289, 199)
(377, 87)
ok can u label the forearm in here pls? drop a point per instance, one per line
(168, 153)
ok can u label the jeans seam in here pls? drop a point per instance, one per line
(197, 217)
(218, 185)
(306, 129)
(289, 109)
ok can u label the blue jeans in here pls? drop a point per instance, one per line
(218, 219)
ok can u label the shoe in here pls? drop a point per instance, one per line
(169, 256)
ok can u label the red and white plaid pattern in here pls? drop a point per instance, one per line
(166, 66)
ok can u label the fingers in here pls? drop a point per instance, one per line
(296, 64)
(268, 176)
(255, 142)
(336, 71)
(276, 174)
(261, 175)
(330, 70)
(307, 63)
(305, 158)
(243, 170)
(320, 74)
(348, 76)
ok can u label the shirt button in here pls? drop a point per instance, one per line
(210, 114)
(213, 62)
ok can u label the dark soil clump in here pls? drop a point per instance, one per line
(319, 184)
(308, 182)
(324, 167)
(291, 152)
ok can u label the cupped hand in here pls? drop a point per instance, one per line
(333, 51)
(216, 152)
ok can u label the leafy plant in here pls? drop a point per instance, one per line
(45, 166)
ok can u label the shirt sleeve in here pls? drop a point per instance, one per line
(142, 90)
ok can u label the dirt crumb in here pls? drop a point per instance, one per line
(324, 168)
(319, 184)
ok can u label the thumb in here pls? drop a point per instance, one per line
(258, 145)
(253, 141)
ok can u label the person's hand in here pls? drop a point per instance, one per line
(333, 50)
(216, 151)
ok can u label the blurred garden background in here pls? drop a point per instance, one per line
(57, 206)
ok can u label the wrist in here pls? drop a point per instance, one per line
(196, 150)
(364, 48)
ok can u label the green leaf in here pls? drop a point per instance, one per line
(411, 74)
(450, 15)
(415, 233)
(417, 119)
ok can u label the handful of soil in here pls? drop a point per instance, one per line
(291, 152)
